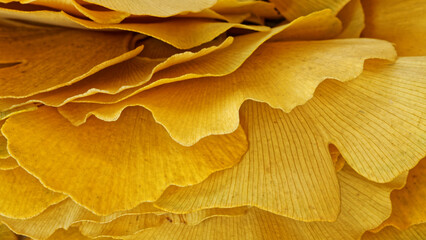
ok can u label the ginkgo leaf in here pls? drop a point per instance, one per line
(127, 74)
(390, 233)
(300, 138)
(235, 55)
(64, 5)
(317, 25)
(364, 205)
(24, 107)
(122, 226)
(400, 21)
(257, 8)
(283, 176)
(195, 218)
(134, 147)
(380, 113)
(352, 16)
(131, 224)
(284, 80)
(155, 8)
(72, 234)
(104, 17)
(42, 50)
(38, 16)
(17, 183)
(409, 203)
(187, 33)
(291, 9)
(6, 234)
(63, 215)
(8, 163)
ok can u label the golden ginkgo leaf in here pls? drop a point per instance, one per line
(63, 215)
(415, 232)
(155, 8)
(296, 178)
(300, 140)
(352, 17)
(64, 5)
(409, 203)
(135, 148)
(72, 234)
(315, 26)
(6, 234)
(17, 183)
(8, 163)
(127, 74)
(104, 17)
(122, 226)
(12, 110)
(318, 25)
(41, 53)
(384, 100)
(38, 16)
(131, 224)
(258, 8)
(291, 9)
(365, 204)
(187, 32)
(284, 80)
(402, 22)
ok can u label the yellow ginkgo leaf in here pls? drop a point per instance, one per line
(104, 17)
(292, 9)
(409, 203)
(128, 74)
(41, 51)
(416, 232)
(400, 21)
(122, 226)
(6, 234)
(38, 16)
(195, 218)
(284, 80)
(135, 148)
(258, 8)
(380, 113)
(352, 16)
(187, 32)
(365, 204)
(63, 215)
(235, 55)
(315, 26)
(131, 224)
(8, 163)
(17, 183)
(64, 5)
(296, 178)
(155, 8)
(12, 110)
(385, 146)
(72, 234)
